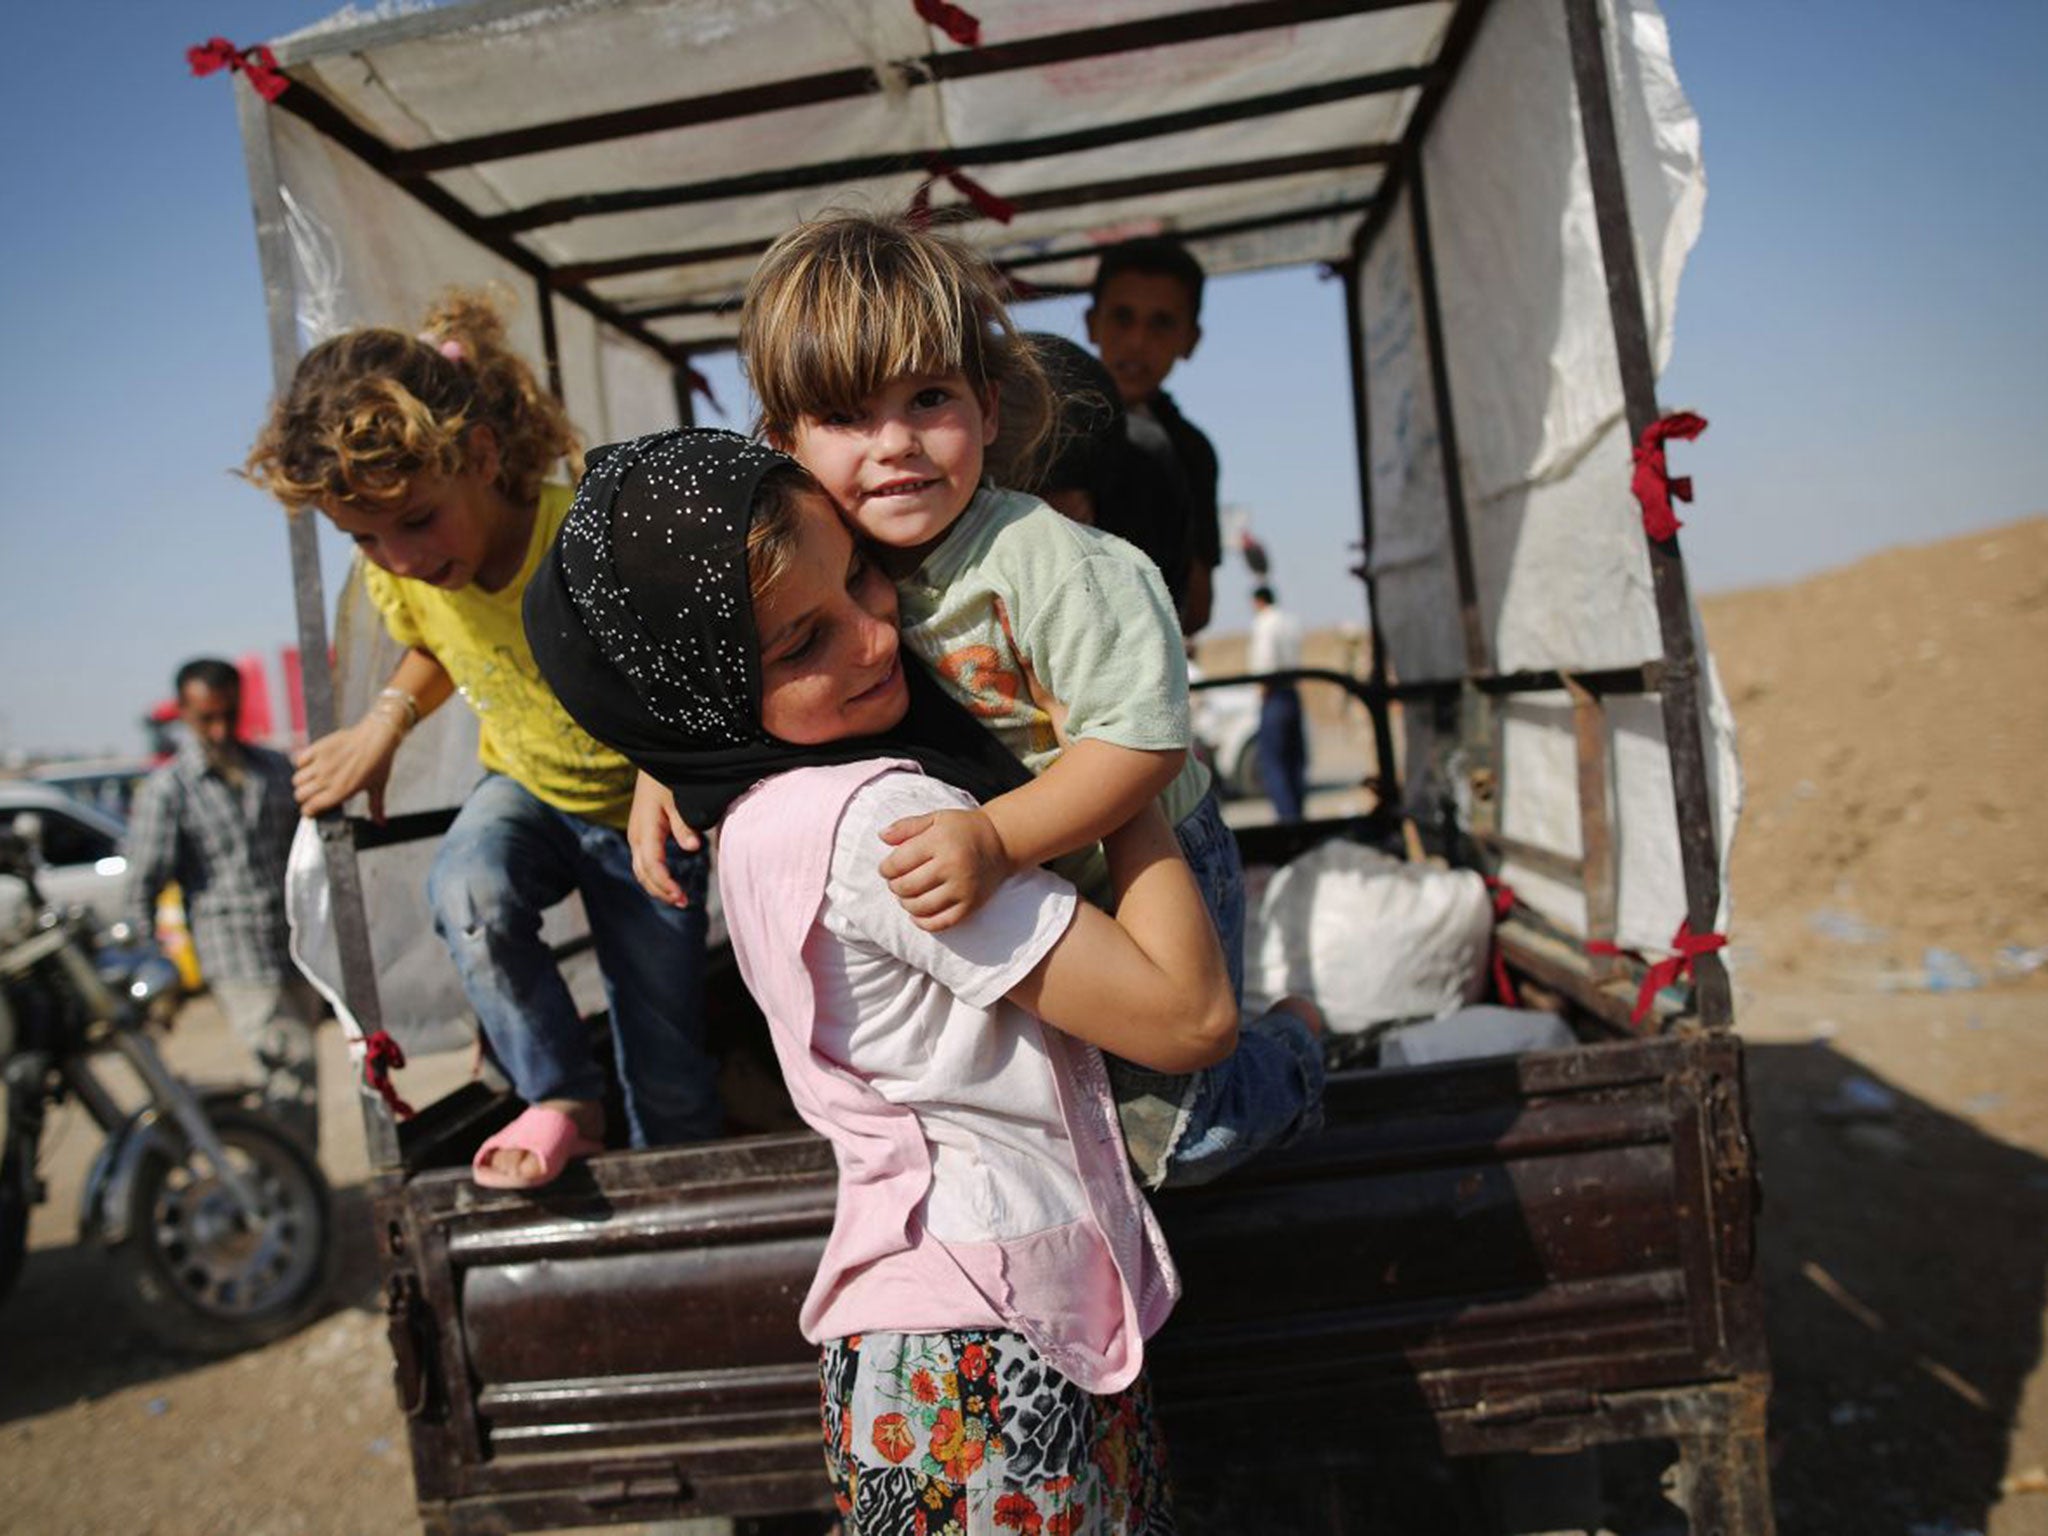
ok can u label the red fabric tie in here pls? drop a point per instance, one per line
(1653, 484)
(1503, 907)
(381, 1054)
(1686, 947)
(985, 202)
(957, 24)
(258, 63)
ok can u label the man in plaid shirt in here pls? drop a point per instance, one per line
(218, 819)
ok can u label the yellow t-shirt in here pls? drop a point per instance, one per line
(478, 638)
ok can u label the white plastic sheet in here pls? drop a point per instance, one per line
(1560, 567)
(1370, 938)
(492, 67)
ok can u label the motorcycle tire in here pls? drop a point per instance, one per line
(196, 1276)
(13, 1219)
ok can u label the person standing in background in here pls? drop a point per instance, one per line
(218, 819)
(1283, 743)
(1144, 317)
(1103, 474)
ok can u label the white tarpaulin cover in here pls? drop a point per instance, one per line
(1562, 573)
(493, 67)
(667, 141)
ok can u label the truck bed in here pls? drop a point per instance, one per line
(1536, 1252)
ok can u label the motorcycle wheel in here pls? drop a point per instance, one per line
(13, 1219)
(197, 1274)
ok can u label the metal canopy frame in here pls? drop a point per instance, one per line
(415, 170)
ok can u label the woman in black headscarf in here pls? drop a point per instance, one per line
(993, 1271)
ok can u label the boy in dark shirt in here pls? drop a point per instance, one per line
(1144, 318)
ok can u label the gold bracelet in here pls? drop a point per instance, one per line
(404, 701)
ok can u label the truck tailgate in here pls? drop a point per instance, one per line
(1541, 1251)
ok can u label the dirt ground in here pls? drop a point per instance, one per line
(1889, 713)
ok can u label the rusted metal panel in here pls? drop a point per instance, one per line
(1497, 1247)
(1599, 872)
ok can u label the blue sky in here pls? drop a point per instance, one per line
(1862, 321)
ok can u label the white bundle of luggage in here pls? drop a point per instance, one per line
(1392, 952)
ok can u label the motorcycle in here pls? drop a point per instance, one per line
(217, 1220)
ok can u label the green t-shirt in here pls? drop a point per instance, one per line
(1017, 591)
(478, 637)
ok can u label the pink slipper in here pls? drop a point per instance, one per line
(548, 1135)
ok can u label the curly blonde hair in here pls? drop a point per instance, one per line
(847, 302)
(369, 410)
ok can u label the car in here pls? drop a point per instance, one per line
(79, 846)
(106, 783)
(82, 863)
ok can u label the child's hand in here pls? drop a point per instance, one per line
(946, 864)
(357, 757)
(651, 823)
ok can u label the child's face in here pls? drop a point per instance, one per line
(904, 463)
(211, 715)
(448, 531)
(1142, 325)
(829, 662)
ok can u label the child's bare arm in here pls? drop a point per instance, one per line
(1092, 789)
(358, 756)
(651, 823)
(945, 865)
(1149, 983)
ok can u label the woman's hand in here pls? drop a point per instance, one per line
(651, 823)
(357, 757)
(946, 865)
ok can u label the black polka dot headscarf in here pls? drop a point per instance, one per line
(641, 622)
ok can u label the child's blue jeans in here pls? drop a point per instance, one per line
(509, 857)
(1181, 1131)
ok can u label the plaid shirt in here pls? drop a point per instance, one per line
(226, 848)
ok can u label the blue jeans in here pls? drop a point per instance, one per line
(1211, 851)
(1283, 752)
(506, 860)
(1182, 1130)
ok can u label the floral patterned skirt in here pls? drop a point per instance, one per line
(971, 1433)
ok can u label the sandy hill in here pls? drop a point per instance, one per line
(1893, 718)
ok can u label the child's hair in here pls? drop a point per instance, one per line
(845, 303)
(370, 409)
(210, 673)
(1156, 255)
(1090, 426)
(774, 527)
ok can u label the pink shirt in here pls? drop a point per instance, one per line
(982, 1178)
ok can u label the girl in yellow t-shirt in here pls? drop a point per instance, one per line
(430, 452)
